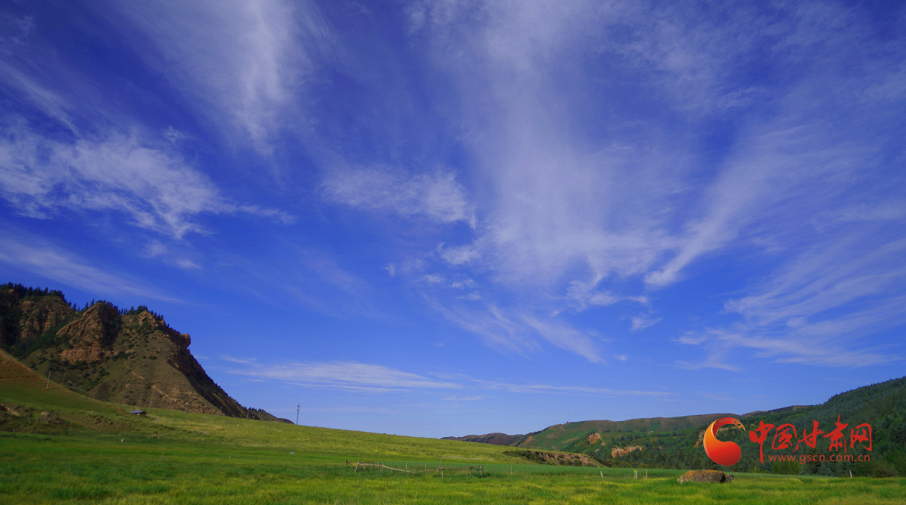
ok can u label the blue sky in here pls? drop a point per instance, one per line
(451, 217)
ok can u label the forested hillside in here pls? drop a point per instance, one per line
(676, 442)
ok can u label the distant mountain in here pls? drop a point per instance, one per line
(675, 442)
(125, 356)
(560, 436)
(491, 438)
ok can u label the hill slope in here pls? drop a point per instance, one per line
(558, 436)
(676, 442)
(130, 357)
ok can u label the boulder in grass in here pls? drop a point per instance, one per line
(705, 476)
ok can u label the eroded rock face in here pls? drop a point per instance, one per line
(619, 452)
(91, 335)
(43, 315)
(30, 318)
(556, 458)
(705, 476)
(594, 437)
(131, 357)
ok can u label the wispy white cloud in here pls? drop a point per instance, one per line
(319, 280)
(364, 377)
(819, 307)
(242, 361)
(35, 255)
(519, 330)
(572, 214)
(564, 337)
(639, 323)
(460, 255)
(242, 64)
(826, 278)
(40, 96)
(157, 249)
(468, 283)
(14, 30)
(546, 388)
(434, 195)
(585, 294)
(344, 375)
(495, 327)
(464, 398)
(326, 267)
(156, 188)
(714, 360)
(782, 349)
(774, 178)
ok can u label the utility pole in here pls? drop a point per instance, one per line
(297, 414)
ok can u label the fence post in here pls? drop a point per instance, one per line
(635, 474)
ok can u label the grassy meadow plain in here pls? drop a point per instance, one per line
(59, 447)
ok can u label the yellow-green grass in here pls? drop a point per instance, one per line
(64, 469)
(174, 457)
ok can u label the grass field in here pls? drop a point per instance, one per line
(83, 451)
(102, 469)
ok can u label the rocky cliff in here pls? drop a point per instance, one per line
(131, 357)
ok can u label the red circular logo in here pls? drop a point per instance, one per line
(720, 452)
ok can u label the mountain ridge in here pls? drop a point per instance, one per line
(129, 356)
(675, 442)
(689, 421)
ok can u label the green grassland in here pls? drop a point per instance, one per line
(60, 447)
(101, 469)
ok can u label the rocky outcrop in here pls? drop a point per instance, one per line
(619, 452)
(92, 335)
(42, 315)
(705, 476)
(594, 437)
(556, 458)
(131, 357)
(25, 317)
